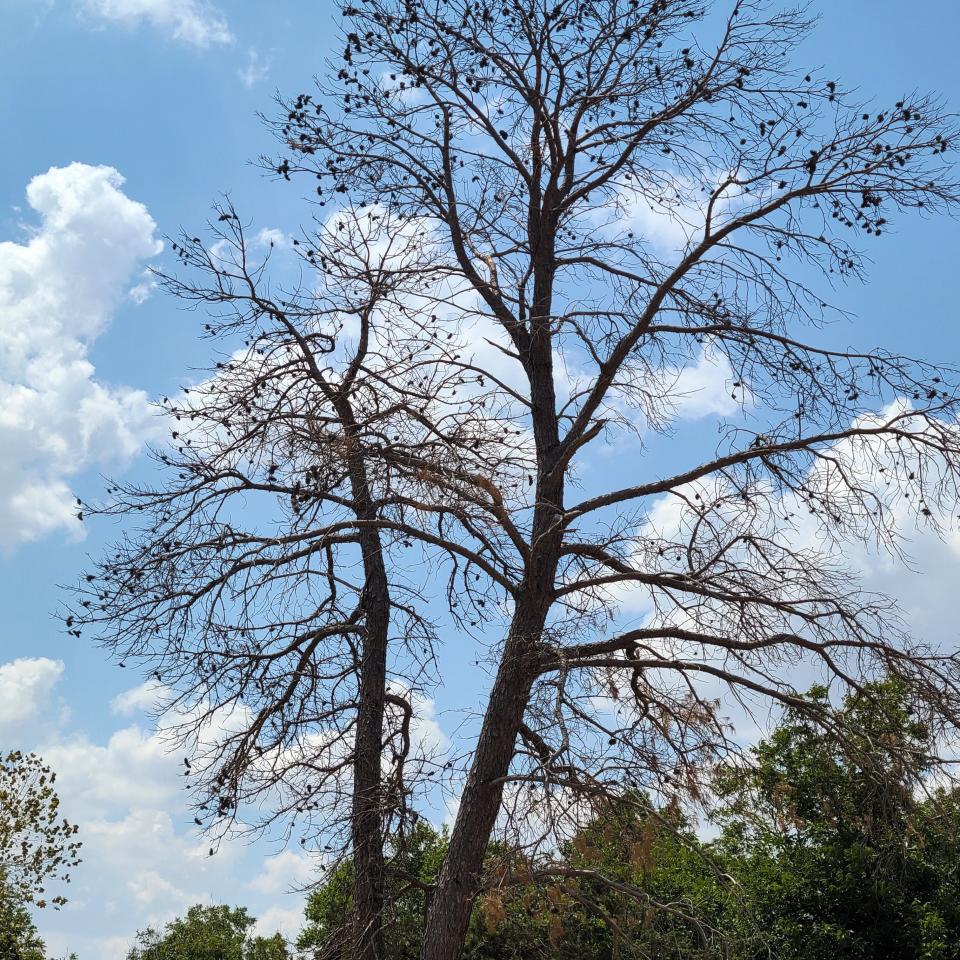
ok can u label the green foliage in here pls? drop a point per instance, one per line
(36, 844)
(414, 862)
(835, 854)
(827, 852)
(208, 933)
(19, 939)
(566, 911)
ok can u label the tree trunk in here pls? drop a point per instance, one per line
(365, 825)
(458, 883)
(520, 664)
(366, 829)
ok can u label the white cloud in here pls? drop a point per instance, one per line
(400, 88)
(426, 735)
(702, 389)
(149, 888)
(58, 290)
(257, 70)
(141, 291)
(144, 862)
(668, 211)
(190, 21)
(271, 237)
(143, 698)
(666, 229)
(850, 557)
(922, 579)
(905, 557)
(138, 870)
(132, 770)
(287, 920)
(26, 686)
(285, 872)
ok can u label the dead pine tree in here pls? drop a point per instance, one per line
(530, 136)
(258, 586)
(587, 198)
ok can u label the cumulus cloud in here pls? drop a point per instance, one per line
(668, 211)
(132, 770)
(144, 861)
(143, 698)
(139, 869)
(284, 872)
(58, 291)
(702, 389)
(287, 920)
(667, 229)
(26, 689)
(195, 22)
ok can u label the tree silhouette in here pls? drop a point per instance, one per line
(540, 215)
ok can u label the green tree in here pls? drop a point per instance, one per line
(37, 847)
(36, 844)
(834, 846)
(19, 939)
(208, 933)
(633, 882)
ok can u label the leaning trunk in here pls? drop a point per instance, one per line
(459, 882)
(520, 664)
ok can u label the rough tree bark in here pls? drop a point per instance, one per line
(365, 828)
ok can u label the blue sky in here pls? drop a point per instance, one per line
(165, 94)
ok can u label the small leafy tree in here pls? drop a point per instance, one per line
(208, 933)
(36, 844)
(19, 939)
(840, 853)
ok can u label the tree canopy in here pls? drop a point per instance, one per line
(37, 845)
(846, 854)
(208, 933)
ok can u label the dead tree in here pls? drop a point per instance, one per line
(602, 192)
(258, 589)
(530, 135)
